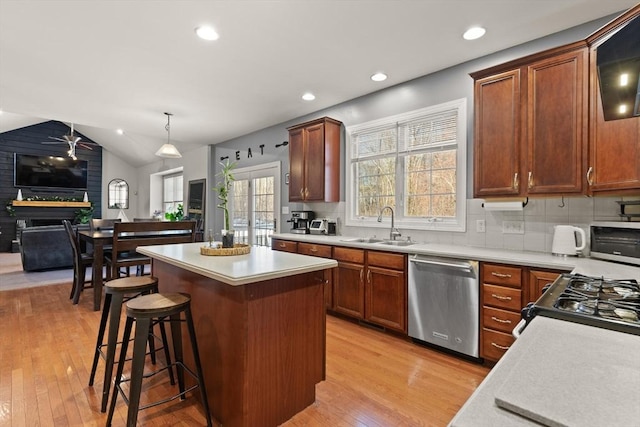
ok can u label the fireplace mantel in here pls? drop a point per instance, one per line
(50, 204)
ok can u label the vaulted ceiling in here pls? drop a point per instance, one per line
(108, 65)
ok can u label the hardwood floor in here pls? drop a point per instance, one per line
(46, 349)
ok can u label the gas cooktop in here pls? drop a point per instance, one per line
(596, 301)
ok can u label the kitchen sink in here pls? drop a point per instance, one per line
(364, 240)
(397, 242)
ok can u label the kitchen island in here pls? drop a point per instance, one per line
(260, 325)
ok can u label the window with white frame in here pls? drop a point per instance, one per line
(414, 162)
(172, 192)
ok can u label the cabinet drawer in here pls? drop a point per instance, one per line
(495, 344)
(386, 259)
(501, 275)
(500, 320)
(284, 245)
(348, 255)
(312, 249)
(501, 297)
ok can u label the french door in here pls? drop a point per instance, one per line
(256, 203)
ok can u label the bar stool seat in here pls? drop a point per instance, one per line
(143, 310)
(117, 292)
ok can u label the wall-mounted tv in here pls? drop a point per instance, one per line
(49, 172)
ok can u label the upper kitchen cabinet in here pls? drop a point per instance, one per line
(314, 161)
(531, 124)
(497, 135)
(614, 142)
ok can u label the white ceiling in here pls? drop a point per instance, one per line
(106, 64)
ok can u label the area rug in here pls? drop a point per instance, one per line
(13, 277)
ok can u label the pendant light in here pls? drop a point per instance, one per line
(168, 150)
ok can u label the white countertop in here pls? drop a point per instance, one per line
(574, 374)
(586, 266)
(260, 264)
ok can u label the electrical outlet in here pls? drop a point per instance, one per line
(512, 227)
(480, 226)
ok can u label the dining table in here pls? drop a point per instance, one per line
(98, 239)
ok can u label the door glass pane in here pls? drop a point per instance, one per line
(263, 203)
(240, 210)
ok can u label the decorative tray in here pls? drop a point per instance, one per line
(237, 249)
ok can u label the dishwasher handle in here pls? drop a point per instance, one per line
(459, 265)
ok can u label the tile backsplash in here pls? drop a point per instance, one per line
(501, 229)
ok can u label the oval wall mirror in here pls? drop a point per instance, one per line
(118, 194)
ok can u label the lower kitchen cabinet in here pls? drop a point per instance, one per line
(310, 249)
(324, 251)
(502, 299)
(371, 286)
(538, 280)
(505, 290)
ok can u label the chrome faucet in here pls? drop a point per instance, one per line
(394, 231)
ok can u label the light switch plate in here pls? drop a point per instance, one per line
(285, 210)
(512, 227)
(480, 226)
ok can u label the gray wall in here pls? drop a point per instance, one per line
(446, 85)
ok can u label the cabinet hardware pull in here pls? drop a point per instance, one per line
(283, 245)
(501, 275)
(590, 175)
(302, 193)
(501, 347)
(501, 297)
(516, 181)
(530, 179)
(495, 319)
(313, 250)
(368, 276)
(361, 273)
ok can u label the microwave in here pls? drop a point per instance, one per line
(616, 241)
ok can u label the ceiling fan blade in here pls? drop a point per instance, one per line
(83, 145)
(53, 142)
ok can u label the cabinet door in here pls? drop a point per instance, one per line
(348, 289)
(296, 165)
(538, 280)
(497, 135)
(556, 123)
(314, 163)
(385, 293)
(614, 146)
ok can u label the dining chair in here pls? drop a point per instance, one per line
(127, 236)
(80, 262)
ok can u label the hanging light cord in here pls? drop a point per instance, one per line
(168, 127)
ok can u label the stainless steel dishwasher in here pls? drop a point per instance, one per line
(444, 303)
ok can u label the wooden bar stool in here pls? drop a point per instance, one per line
(117, 292)
(144, 310)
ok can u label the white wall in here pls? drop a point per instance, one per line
(114, 167)
(194, 164)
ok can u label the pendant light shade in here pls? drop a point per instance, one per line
(168, 150)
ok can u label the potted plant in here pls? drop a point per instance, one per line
(222, 188)
(178, 215)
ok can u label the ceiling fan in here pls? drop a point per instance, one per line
(72, 140)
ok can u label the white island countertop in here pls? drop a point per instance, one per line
(563, 373)
(262, 263)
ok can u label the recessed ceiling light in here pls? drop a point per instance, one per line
(624, 79)
(119, 131)
(622, 109)
(308, 96)
(474, 33)
(379, 77)
(206, 32)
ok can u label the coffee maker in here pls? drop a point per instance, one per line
(300, 221)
